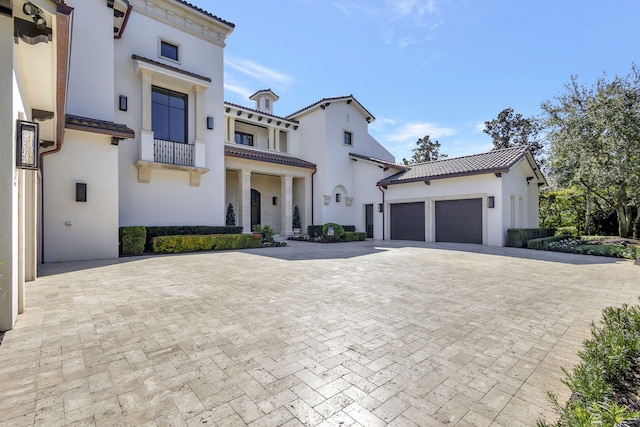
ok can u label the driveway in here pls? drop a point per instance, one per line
(365, 333)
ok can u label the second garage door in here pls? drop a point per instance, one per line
(459, 221)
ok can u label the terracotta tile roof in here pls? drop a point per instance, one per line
(204, 12)
(381, 162)
(87, 124)
(330, 100)
(492, 162)
(237, 150)
(261, 113)
(169, 67)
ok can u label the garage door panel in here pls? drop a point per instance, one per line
(459, 221)
(407, 221)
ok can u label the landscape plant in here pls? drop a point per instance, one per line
(230, 218)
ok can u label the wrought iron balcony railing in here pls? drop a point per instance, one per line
(173, 153)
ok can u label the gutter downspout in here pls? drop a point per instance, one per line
(312, 194)
(380, 187)
(64, 21)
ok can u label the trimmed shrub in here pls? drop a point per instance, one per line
(351, 228)
(567, 231)
(518, 237)
(132, 240)
(182, 230)
(543, 242)
(352, 236)
(200, 242)
(337, 229)
(314, 231)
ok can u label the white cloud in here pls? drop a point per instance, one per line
(244, 92)
(259, 72)
(411, 132)
(479, 127)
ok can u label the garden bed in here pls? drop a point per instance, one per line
(616, 247)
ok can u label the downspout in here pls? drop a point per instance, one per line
(312, 198)
(380, 187)
(64, 17)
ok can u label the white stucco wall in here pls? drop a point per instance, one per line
(168, 199)
(519, 199)
(366, 192)
(81, 230)
(91, 74)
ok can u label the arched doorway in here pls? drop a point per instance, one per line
(255, 208)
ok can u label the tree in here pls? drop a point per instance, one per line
(231, 216)
(426, 151)
(594, 136)
(509, 130)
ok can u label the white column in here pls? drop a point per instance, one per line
(307, 212)
(21, 236)
(244, 186)
(272, 138)
(232, 128)
(277, 139)
(146, 133)
(31, 261)
(199, 154)
(286, 215)
(8, 191)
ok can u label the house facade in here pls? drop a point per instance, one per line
(115, 116)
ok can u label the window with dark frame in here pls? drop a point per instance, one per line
(347, 138)
(169, 115)
(243, 138)
(169, 50)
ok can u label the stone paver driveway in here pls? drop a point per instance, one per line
(368, 333)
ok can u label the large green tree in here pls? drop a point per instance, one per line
(594, 143)
(426, 151)
(509, 130)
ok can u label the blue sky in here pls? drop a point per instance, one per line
(436, 67)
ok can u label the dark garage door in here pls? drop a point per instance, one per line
(459, 221)
(407, 221)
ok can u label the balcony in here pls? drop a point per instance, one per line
(161, 154)
(173, 153)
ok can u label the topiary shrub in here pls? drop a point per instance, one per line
(193, 243)
(518, 237)
(332, 230)
(230, 219)
(132, 240)
(352, 236)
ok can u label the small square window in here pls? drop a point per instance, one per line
(266, 103)
(168, 50)
(347, 138)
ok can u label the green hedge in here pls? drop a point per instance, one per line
(518, 237)
(204, 242)
(338, 231)
(352, 236)
(132, 240)
(543, 242)
(567, 231)
(351, 228)
(182, 230)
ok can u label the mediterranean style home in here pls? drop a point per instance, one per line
(113, 114)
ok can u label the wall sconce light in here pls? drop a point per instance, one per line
(123, 103)
(380, 207)
(35, 13)
(27, 144)
(275, 200)
(209, 122)
(491, 202)
(81, 192)
(338, 197)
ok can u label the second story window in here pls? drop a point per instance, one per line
(348, 138)
(169, 50)
(168, 115)
(243, 138)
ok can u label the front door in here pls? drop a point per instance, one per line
(368, 220)
(255, 208)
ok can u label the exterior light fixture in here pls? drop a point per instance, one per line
(81, 192)
(491, 202)
(27, 143)
(275, 200)
(209, 122)
(380, 207)
(123, 103)
(338, 197)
